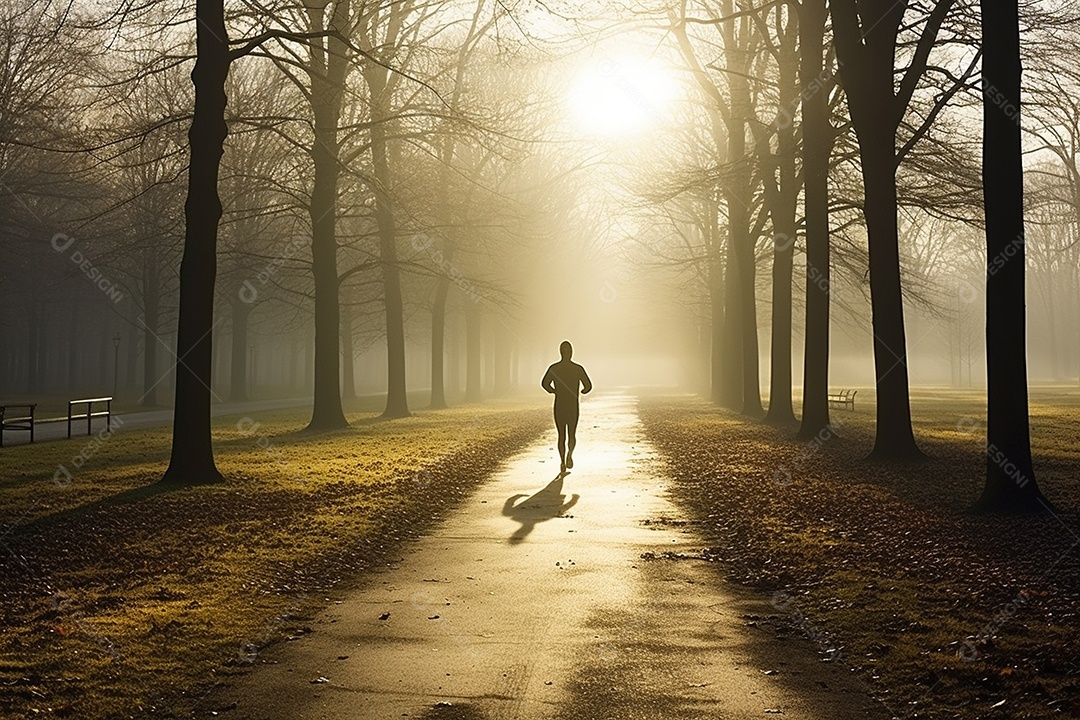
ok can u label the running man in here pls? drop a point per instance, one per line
(563, 379)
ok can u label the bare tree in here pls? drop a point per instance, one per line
(1010, 478)
(867, 36)
(818, 137)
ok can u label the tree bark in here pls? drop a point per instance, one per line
(867, 60)
(447, 148)
(738, 191)
(73, 354)
(397, 404)
(818, 138)
(454, 345)
(894, 439)
(396, 399)
(1010, 478)
(731, 354)
(328, 71)
(716, 326)
(238, 385)
(131, 359)
(192, 458)
(151, 321)
(502, 360)
(33, 348)
(782, 196)
(348, 371)
(473, 350)
(438, 342)
(295, 350)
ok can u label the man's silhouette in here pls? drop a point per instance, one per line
(563, 380)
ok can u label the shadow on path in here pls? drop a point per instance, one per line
(547, 504)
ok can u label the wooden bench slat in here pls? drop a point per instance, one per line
(19, 422)
(28, 421)
(845, 396)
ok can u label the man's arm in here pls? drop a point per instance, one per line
(586, 383)
(548, 383)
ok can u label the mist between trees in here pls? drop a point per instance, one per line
(742, 198)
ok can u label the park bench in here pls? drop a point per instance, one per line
(25, 420)
(845, 397)
(17, 416)
(90, 413)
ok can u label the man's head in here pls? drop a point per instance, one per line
(566, 350)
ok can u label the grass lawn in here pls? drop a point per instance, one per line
(121, 599)
(943, 614)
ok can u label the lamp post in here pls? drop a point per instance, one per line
(116, 363)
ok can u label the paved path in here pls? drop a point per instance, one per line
(533, 601)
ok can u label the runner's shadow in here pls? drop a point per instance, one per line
(547, 504)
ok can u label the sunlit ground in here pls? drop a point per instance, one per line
(131, 607)
(110, 605)
(882, 566)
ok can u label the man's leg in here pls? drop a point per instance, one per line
(560, 425)
(571, 426)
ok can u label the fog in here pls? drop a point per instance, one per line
(563, 174)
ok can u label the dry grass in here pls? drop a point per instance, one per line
(944, 614)
(121, 599)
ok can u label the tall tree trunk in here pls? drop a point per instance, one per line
(151, 323)
(192, 459)
(309, 361)
(716, 327)
(326, 413)
(348, 371)
(731, 361)
(454, 355)
(328, 72)
(867, 65)
(438, 342)
(894, 439)
(745, 264)
(33, 348)
(1051, 323)
(503, 356)
(782, 196)
(780, 407)
(215, 360)
(473, 350)
(446, 153)
(238, 385)
(295, 350)
(818, 138)
(397, 404)
(73, 348)
(1010, 478)
(713, 246)
(738, 192)
(132, 359)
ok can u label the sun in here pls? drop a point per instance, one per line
(622, 96)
